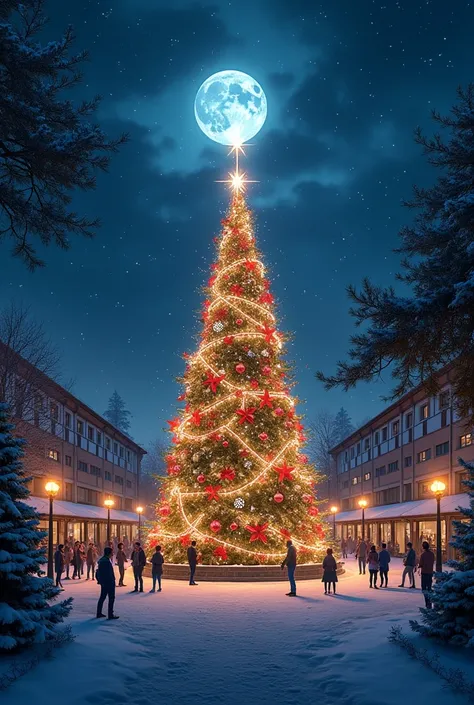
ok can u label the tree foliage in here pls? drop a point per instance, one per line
(49, 147)
(117, 413)
(413, 336)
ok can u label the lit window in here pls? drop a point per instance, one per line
(367, 476)
(53, 455)
(424, 411)
(465, 440)
(424, 455)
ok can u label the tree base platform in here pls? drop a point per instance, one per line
(242, 573)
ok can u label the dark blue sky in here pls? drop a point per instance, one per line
(346, 83)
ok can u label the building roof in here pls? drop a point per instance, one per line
(368, 427)
(420, 507)
(72, 510)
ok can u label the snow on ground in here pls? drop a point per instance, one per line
(238, 643)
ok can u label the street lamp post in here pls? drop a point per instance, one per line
(334, 512)
(362, 504)
(438, 489)
(139, 512)
(109, 503)
(52, 488)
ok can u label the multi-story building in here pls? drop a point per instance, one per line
(88, 458)
(392, 461)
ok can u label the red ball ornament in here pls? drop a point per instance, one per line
(263, 436)
(239, 321)
(314, 511)
(240, 368)
(225, 443)
(278, 497)
(215, 526)
(279, 411)
(164, 510)
(201, 478)
(303, 459)
(233, 526)
(307, 499)
(254, 383)
(267, 371)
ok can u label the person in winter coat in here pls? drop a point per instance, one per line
(361, 554)
(330, 572)
(192, 560)
(59, 564)
(138, 561)
(426, 566)
(106, 580)
(68, 554)
(76, 560)
(91, 560)
(373, 561)
(157, 561)
(344, 548)
(290, 562)
(384, 560)
(410, 563)
(121, 559)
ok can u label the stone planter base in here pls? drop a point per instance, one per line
(242, 573)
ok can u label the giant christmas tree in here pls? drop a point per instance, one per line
(238, 481)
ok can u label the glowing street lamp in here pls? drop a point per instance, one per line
(362, 504)
(52, 488)
(139, 512)
(109, 503)
(438, 488)
(334, 511)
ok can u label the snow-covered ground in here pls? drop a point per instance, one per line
(239, 644)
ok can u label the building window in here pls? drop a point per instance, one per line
(90, 433)
(388, 496)
(53, 455)
(380, 471)
(460, 478)
(384, 434)
(54, 411)
(107, 443)
(424, 455)
(352, 452)
(80, 427)
(376, 438)
(122, 452)
(128, 456)
(345, 484)
(367, 444)
(408, 461)
(108, 476)
(465, 440)
(407, 492)
(355, 480)
(68, 488)
(129, 484)
(87, 496)
(395, 428)
(424, 411)
(128, 505)
(68, 460)
(367, 476)
(118, 480)
(444, 400)
(393, 467)
(408, 420)
(81, 465)
(67, 420)
(95, 470)
(38, 409)
(99, 438)
(442, 449)
(116, 448)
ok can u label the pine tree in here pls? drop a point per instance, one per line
(238, 481)
(452, 616)
(117, 413)
(49, 147)
(343, 425)
(414, 335)
(26, 615)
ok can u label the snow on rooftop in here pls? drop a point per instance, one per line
(420, 507)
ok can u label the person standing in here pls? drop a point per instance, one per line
(384, 560)
(138, 561)
(106, 580)
(344, 548)
(290, 562)
(91, 560)
(409, 562)
(192, 560)
(373, 561)
(59, 564)
(426, 566)
(329, 572)
(82, 556)
(361, 555)
(121, 559)
(76, 560)
(157, 568)
(68, 554)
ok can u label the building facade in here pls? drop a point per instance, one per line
(392, 461)
(88, 458)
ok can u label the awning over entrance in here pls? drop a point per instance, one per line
(418, 508)
(79, 511)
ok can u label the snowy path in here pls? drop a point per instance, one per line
(236, 644)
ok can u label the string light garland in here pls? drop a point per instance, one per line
(238, 441)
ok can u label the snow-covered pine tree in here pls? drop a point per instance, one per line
(117, 413)
(452, 616)
(26, 613)
(414, 335)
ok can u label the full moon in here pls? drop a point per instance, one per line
(230, 107)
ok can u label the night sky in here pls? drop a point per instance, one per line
(346, 83)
